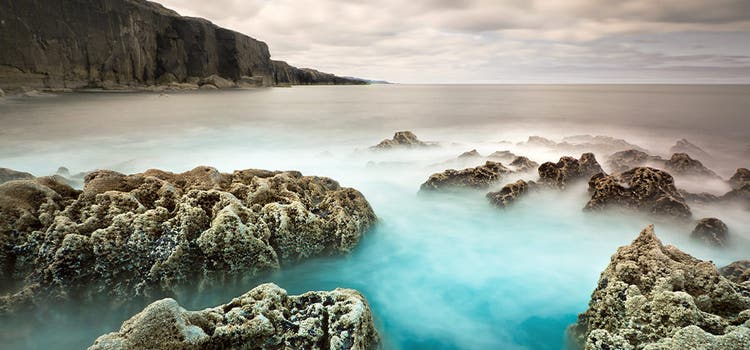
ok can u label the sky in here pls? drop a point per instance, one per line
(499, 41)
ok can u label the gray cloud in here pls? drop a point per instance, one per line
(499, 41)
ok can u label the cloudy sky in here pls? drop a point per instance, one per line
(499, 41)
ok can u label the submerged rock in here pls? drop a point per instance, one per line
(509, 193)
(682, 164)
(740, 178)
(737, 272)
(401, 139)
(653, 297)
(10, 175)
(480, 177)
(625, 160)
(129, 235)
(263, 318)
(522, 164)
(684, 146)
(568, 169)
(645, 189)
(711, 231)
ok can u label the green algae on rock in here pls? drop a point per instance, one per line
(131, 235)
(653, 297)
(263, 318)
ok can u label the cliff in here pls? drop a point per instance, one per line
(115, 43)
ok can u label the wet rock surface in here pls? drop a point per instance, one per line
(480, 177)
(711, 231)
(263, 318)
(653, 297)
(645, 189)
(405, 139)
(568, 169)
(510, 193)
(682, 164)
(132, 235)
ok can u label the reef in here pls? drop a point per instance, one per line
(480, 177)
(145, 234)
(657, 297)
(510, 193)
(567, 170)
(263, 318)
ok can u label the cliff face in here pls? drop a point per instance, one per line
(103, 43)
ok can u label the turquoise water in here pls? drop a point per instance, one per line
(441, 271)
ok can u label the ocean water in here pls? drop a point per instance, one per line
(441, 271)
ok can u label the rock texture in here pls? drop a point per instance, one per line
(522, 164)
(131, 235)
(656, 297)
(625, 160)
(10, 174)
(740, 178)
(711, 231)
(568, 169)
(509, 193)
(645, 189)
(505, 156)
(685, 146)
(405, 139)
(54, 44)
(737, 272)
(480, 177)
(263, 318)
(682, 164)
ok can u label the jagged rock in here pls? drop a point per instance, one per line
(263, 318)
(568, 169)
(510, 193)
(625, 160)
(131, 235)
(711, 231)
(522, 164)
(540, 141)
(737, 272)
(401, 139)
(505, 156)
(480, 177)
(645, 189)
(702, 197)
(739, 195)
(740, 178)
(58, 44)
(653, 296)
(684, 146)
(10, 175)
(682, 164)
(470, 154)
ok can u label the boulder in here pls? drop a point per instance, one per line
(737, 272)
(10, 174)
(480, 177)
(509, 193)
(625, 160)
(217, 81)
(145, 234)
(645, 189)
(470, 154)
(684, 146)
(263, 318)
(740, 178)
(711, 231)
(567, 170)
(505, 156)
(522, 164)
(405, 139)
(653, 297)
(682, 164)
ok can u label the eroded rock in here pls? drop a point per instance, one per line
(711, 231)
(263, 318)
(625, 160)
(685, 146)
(10, 175)
(522, 164)
(567, 170)
(480, 177)
(737, 272)
(653, 296)
(682, 164)
(509, 193)
(740, 178)
(404, 139)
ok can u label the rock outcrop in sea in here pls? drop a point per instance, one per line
(582, 143)
(685, 146)
(656, 297)
(115, 44)
(480, 177)
(401, 139)
(10, 174)
(568, 169)
(131, 235)
(625, 160)
(263, 318)
(682, 164)
(740, 178)
(643, 189)
(711, 231)
(510, 193)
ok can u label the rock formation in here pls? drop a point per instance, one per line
(10, 174)
(131, 235)
(737, 272)
(682, 164)
(646, 189)
(582, 143)
(568, 169)
(58, 44)
(509, 193)
(504, 156)
(740, 178)
(657, 297)
(522, 164)
(263, 318)
(480, 177)
(405, 139)
(625, 160)
(470, 154)
(711, 231)
(684, 146)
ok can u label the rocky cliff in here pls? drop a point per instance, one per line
(115, 43)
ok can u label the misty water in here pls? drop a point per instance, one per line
(441, 271)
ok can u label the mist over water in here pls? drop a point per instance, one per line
(441, 271)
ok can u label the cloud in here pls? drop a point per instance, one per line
(497, 41)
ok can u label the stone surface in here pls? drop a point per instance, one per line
(480, 177)
(711, 231)
(685, 146)
(682, 164)
(737, 272)
(625, 160)
(522, 164)
(653, 297)
(143, 234)
(263, 318)
(509, 193)
(112, 44)
(567, 170)
(405, 139)
(645, 189)
(10, 174)
(740, 178)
